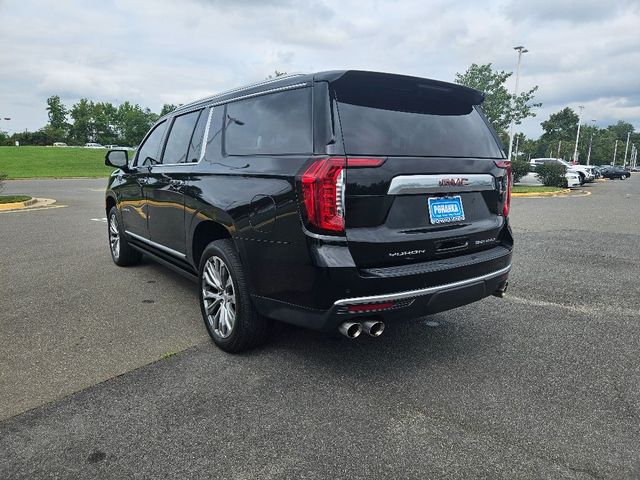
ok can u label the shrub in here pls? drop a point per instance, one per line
(519, 168)
(552, 174)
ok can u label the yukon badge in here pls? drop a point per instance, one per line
(453, 182)
(404, 254)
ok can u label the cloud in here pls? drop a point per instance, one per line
(568, 11)
(167, 51)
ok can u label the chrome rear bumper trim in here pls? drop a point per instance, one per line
(420, 292)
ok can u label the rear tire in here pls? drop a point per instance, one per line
(623, 177)
(227, 310)
(122, 253)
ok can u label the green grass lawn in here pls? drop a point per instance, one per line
(14, 198)
(50, 162)
(534, 189)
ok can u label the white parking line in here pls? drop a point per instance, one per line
(103, 220)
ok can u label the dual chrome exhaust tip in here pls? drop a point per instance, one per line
(354, 329)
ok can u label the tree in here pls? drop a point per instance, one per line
(57, 128)
(57, 112)
(133, 123)
(82, 129)
(562, 125)
(621, 129)
(105, 118)
(167, 108)
(499, 105)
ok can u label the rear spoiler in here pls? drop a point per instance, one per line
(352, 80)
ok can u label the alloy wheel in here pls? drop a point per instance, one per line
(114, 236)
(219, 297)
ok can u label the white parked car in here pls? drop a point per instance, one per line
(573, 179)
(584, 172)
(92, 145)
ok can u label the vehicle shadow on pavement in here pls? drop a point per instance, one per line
(405, 344)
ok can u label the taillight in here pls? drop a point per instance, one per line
(506, 188)
(323, 190)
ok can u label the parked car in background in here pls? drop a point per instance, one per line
(572, 178)
(584, 171)
(614, 172)
(589, 168)
(112, 147)
(60, 144)
(328, 201)
(596, 171)
(93, 145)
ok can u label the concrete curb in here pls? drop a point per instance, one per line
(566, 191)
(26, 205)
(17, 205)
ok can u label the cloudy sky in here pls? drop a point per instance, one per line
(152, 52)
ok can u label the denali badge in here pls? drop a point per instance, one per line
(404, 254)
(486, 240)
(453, 182)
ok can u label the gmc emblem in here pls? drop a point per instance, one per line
(453, 182)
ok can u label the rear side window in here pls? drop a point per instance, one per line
(179, 139)
(148, 151)
(195, 146)
(273, 124)
(377, 120)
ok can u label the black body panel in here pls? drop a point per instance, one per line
(297, 272)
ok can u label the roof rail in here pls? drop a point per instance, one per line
(239, 89)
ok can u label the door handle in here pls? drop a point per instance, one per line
(142, 181)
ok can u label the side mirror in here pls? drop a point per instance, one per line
(117, 159)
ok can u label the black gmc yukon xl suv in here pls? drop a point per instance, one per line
(335, 201)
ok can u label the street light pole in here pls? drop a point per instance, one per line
(624, 164)
(615, 152)
(520, 49)
(590, 142)
(575, 151)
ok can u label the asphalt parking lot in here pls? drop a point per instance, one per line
(542, 384)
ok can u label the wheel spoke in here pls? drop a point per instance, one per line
(231, 316)
(207, 278)
(216, 319)
(216, 303)
(215, 273)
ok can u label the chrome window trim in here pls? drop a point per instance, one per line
(413, 184)
(420, 292)
(203, 149)
(263, 92)
(239, 89)
(168, 250)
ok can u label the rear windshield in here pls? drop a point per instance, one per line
(407, 122)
